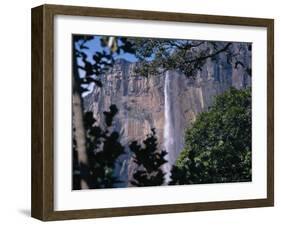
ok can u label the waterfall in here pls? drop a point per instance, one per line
(168, 126)
(172, 125)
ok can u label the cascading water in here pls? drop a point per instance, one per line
(168, 126)
(172, 133)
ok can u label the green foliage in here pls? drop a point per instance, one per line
(218, 145)
(188, 56)
(103, 149)
(149, 161)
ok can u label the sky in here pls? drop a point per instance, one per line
(95, 46)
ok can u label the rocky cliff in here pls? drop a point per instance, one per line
(141, 100)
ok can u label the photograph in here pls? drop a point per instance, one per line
(152, 111)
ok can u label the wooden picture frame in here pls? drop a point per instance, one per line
(43, 108)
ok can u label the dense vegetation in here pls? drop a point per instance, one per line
(218, 145)
(149, 162)
(103, 148)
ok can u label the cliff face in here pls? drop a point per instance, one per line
(141, 100)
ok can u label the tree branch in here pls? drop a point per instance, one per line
(210, 55)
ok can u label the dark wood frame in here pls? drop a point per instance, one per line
(42, 203)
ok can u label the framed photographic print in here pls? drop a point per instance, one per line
(141, 112)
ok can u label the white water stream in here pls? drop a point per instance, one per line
(171, 135)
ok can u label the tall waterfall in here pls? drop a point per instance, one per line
(169, 126)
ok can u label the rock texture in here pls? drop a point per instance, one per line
(141, 100)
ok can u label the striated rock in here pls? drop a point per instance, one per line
(141, 101)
